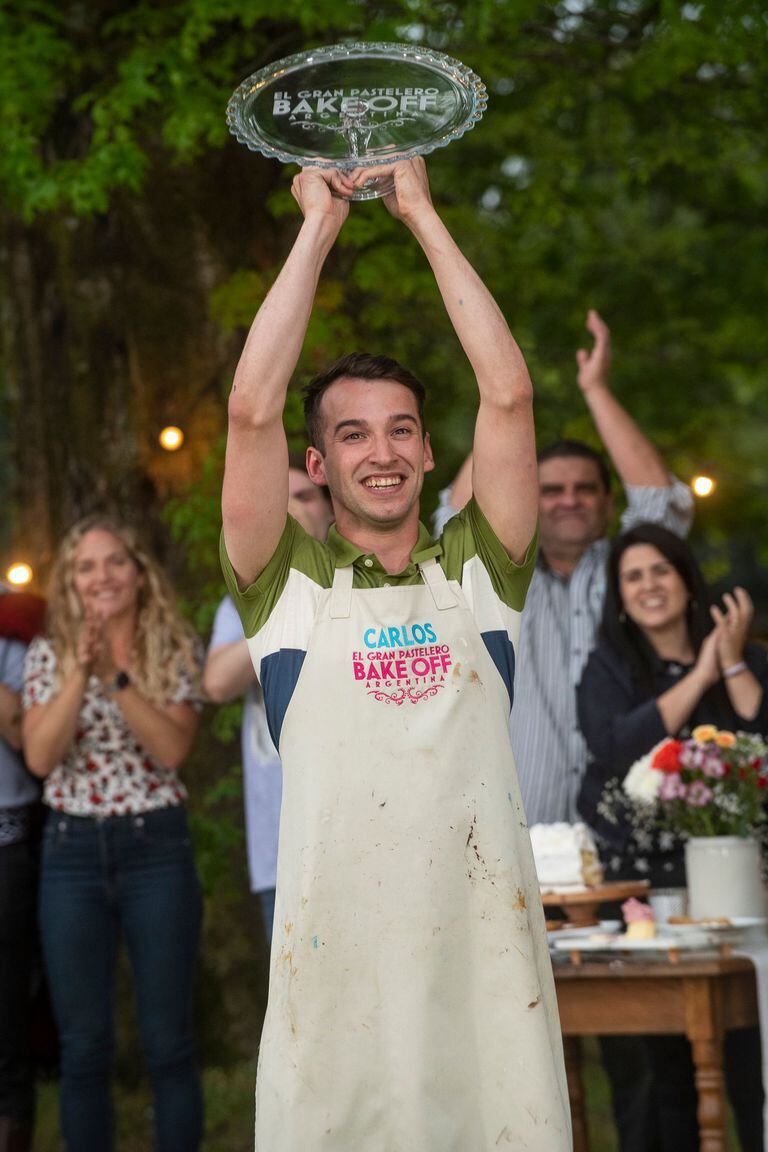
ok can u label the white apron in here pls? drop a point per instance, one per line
(411, 1003)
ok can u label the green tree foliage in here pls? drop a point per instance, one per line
(621, 164)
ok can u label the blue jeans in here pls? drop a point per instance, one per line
(135, 875)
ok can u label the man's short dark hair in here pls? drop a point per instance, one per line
(578, 448)
(358, 366)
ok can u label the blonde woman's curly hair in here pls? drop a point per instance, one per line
(165, 647)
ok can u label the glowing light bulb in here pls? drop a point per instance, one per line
(703, 485)
(19, 575)
(171, 438)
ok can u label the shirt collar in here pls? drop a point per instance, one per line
(593, 553)
(345, 552)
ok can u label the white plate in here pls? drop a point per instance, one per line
(573, 933)
(619, 943)
(699, 927)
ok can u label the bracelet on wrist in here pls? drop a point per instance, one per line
(735, 670)
(122, 680)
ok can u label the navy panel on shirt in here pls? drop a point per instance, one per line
(502, 653)
(280, 672)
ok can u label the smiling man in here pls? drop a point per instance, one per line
(411, 1000)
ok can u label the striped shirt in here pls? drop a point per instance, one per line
(559, 630)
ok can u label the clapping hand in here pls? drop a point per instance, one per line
(732, 624)
(90, 642)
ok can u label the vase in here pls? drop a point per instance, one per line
(724, 877)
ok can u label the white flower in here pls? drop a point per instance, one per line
(642, 783)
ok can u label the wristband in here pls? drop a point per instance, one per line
(122, 680)
(734, 670)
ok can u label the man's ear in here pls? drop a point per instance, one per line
(316, 466)
(429, 460)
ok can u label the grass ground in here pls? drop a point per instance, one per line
(229, 1111)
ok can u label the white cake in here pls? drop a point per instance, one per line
(565, 857)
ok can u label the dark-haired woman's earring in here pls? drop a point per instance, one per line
(693, 604)
(622, 617)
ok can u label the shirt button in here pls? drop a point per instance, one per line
(368, 562)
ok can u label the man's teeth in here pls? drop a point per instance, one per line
(382, 482)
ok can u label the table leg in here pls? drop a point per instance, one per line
(704, 1030)
(710, 1086)
(572, 1049)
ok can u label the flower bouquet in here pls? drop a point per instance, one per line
(708, 793)
(711, 784)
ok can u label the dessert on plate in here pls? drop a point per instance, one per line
(639, 919)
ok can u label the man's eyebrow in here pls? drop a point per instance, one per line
(549, 488)
(350, 424)
(396, 419)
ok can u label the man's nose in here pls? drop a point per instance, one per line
(382, 450)
(570, 497)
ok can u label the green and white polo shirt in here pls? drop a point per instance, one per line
(278, 610)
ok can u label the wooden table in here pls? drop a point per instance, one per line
(700, 997)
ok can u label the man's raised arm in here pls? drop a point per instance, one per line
(255, 492)
(634, 457)
(504, 452)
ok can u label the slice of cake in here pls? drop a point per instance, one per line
(565, 856)
(639, 919)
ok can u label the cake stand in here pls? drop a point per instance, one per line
(580, 906)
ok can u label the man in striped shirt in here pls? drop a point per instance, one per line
(565, 600)
(559, 630)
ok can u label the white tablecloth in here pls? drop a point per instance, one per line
(756, 949)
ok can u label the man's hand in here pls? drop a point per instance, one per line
(411, 195)
(595, 366)
(321, 192)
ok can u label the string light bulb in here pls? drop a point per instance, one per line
(703, 485)
(19, 575)
(171, 438)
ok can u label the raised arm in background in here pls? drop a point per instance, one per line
(635, 459)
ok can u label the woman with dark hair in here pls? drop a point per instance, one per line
(666, 662)
(110, 711)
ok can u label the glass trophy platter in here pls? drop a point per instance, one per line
(361, 105)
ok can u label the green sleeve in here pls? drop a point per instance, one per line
(296, 549)
(469, 534)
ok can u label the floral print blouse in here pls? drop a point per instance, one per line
(106, 772)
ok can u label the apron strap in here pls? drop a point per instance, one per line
(435, 580)
(341, 593)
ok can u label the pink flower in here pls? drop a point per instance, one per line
(713, 767)
(699, 795)
(672, 787)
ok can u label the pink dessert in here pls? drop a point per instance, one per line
(639, 918)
